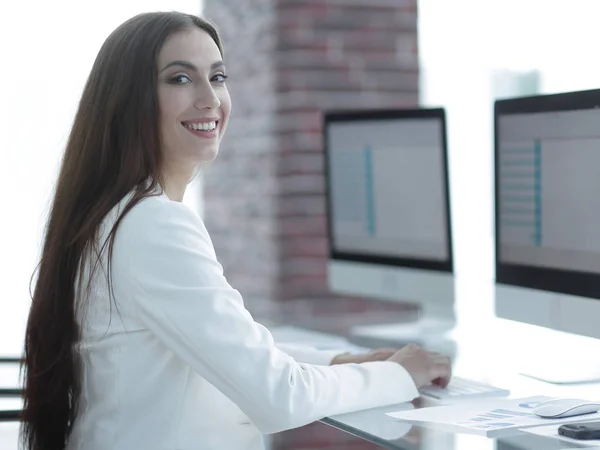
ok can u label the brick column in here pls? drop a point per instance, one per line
(288, 60)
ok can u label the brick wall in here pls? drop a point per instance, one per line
(288, 60)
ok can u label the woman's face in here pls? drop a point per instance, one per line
(194, 104)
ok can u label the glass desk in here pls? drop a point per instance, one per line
(480, 359)
(483, 348)
(374, 426)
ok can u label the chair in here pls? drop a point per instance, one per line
(11, 415)
(9, 360)
(11, 392)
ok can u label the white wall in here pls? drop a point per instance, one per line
(463, 43)
(47, 49)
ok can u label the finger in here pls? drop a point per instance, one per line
(437, 355)
(441, 382)
(442, 359)
(442, 373)
(445, 361)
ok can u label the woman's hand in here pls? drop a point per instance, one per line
(424, 367)
(380, 354)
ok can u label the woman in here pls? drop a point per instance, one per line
(135, 340)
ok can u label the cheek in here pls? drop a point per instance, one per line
(165, 109)
(168, 131)
(171, 106)
(225, 100)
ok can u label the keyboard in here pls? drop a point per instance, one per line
(461, 388)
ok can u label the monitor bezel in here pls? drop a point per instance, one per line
(559, 281)
(331, 117)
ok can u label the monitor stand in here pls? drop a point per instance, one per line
(560, 358)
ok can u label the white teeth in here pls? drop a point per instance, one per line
(206, 126)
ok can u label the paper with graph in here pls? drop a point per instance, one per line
(490, 417)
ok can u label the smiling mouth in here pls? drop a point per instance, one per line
(201, 127)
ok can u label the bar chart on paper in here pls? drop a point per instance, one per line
(521, 192)
(353, 192)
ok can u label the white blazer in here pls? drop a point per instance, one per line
(175, 361)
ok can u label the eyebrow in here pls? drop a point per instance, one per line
(188, 65)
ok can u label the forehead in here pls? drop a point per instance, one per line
(193, 45)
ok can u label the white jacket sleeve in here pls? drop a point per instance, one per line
(164, 259)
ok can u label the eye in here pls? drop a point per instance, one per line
(180, 79)
(219, 78)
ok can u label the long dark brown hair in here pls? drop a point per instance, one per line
(113, 149)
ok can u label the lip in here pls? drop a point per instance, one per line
(202, 133)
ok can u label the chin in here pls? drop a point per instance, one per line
(208, 154)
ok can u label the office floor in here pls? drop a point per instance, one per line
(318, 437)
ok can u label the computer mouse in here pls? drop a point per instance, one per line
(565, 407)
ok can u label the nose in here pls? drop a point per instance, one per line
(206, 97)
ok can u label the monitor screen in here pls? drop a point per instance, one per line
(548, 192)
(388, 187)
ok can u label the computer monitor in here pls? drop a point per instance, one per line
(547, 189)
(388, 209)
